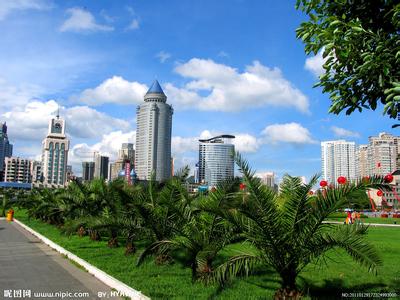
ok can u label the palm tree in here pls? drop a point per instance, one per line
(289, 235)
(199, 235)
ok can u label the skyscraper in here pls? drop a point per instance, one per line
(101, 166)
(338, 159)
(216, 162)
(383, 151)
(5, 148)
(153, 135)
(87, 171)
(55, 154)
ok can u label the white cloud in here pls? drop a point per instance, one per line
(114, 90)
(315, 64)
(31, 121)
(230, 90)
(184, 144)
(133, 25)
(341, 132)
(292, 133)
(12, 96)
(82, 21)
(8, 6)
(163, 56)
(243, 142)
(108, 146)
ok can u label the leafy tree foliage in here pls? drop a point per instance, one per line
(360, 42)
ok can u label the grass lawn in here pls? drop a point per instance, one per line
(339, 275)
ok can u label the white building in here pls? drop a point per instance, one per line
(267, 178)
(18, 170)
(153, 135)
(382, 154)
(55, 154)
(338, 159)
(216, 162)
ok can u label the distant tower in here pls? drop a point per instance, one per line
(216, 159)
(55, 154)
(153, 135)
(5, 148)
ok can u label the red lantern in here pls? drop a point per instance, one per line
(388, 178)
(242, 186)
(341, 180)
(379, 193)
(323, 183)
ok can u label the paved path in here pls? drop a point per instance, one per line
(29, 266)
(369, 224)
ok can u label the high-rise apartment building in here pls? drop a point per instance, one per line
(383, 151)
(216, 162)
(338, 159)
(87, 171)
(153, 135)
(101, 166)
(18, 170)
(55, 154)
(36, 171)
(362, 161)
(267, 178)
(5, 148)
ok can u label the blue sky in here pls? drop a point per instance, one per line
(231, 67)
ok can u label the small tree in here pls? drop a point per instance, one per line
(361, 43)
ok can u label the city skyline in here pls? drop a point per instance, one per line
(253, 81)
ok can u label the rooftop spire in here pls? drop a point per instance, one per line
(155, 88)
(58, 111)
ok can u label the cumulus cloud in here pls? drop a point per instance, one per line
(243, 142)
(292, 133)
(163, 56)
(9, 6)
(231, 90)
(82, 21)
(341, 132)
(315, 64)
(31, 121)
(108, 146)
(114, 90)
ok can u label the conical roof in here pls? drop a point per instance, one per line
(155, 88)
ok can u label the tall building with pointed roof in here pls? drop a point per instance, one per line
(153, 135)
(55, 154)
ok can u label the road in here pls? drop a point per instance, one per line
(30, 269)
